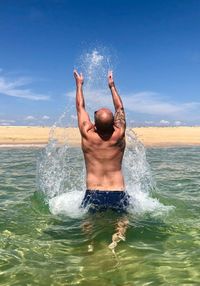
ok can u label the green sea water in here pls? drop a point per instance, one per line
(41, 245)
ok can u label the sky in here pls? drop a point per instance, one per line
(153, 48)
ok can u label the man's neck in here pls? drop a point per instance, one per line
(105, 134)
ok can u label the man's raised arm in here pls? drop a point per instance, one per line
(84, 122)
(80, 103)
(119, 117)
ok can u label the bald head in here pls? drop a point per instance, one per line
(104, 120)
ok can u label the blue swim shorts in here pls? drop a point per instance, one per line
(97, 200)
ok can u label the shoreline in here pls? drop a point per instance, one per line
(38, 137)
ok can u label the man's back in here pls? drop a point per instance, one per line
(103, 160)
(103, 142)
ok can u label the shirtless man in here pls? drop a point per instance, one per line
(103, 145)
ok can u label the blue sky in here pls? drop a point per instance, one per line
(154, 47)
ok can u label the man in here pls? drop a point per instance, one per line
(103, 145)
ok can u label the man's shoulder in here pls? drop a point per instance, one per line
(89, 135)
(119, 133)
(86, 129)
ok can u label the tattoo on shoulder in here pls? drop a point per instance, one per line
(84, 123)
(120, 117)
(121, 143)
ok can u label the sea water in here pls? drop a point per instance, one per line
(44, 246)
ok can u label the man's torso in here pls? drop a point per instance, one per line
(103, 160)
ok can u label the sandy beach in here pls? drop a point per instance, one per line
(150, 136)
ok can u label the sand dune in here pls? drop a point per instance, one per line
(150, 136)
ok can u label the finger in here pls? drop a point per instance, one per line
(110, 74)
(75, 73)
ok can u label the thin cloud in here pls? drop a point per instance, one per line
(17, 88)
(148, 122)
(45, 117)
(29, 117)
(6, 122)
(146, 103)
(164, 122)
(149, 103)
(178, 123)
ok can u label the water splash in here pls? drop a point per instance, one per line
(61, 176)
(95, 65)
(60, 172)
(139, 181)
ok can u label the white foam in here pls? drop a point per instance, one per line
(142, 203)
(67, 204)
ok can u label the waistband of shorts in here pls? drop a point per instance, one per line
(105, 191)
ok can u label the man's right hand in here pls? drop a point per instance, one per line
(79, 78)
(110, 79)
